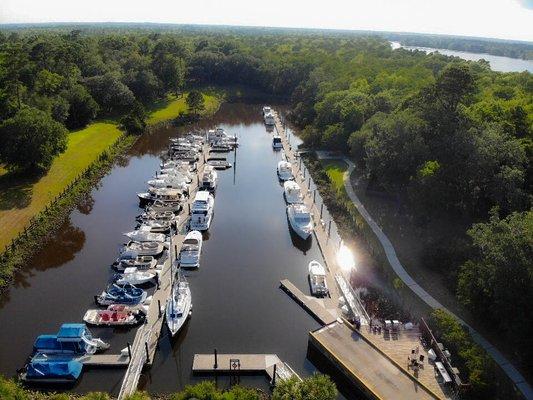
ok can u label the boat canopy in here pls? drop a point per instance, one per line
(68, 370)
(72, 332)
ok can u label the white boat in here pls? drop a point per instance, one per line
(285, 171)
(214, 135)
(168, 182)
(135, 276)
(317, 279)
(163, 194)
(179, 164)
(145, 235)
(269, 119)
(266, 110)
(292, 192)
(145, 248)
(115, 315)
(131, 258)
(218, 162)
(191, 249)
(202, 211)
(300, 220)
(160, 205)
(176, 173)
(209, 179)
(157, 226)
(276, 142)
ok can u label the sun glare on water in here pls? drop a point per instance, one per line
(345, 258)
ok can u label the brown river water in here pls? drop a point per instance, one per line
(238, 306)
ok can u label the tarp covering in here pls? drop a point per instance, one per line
(71, 331)
(68, 370)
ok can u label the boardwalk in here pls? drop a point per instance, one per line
(516, 377)
(364, 365)
(147, 336)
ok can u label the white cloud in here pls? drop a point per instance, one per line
(508, 19)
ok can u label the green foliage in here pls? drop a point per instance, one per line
(31, 139)
(96, 396)
(207, 390)
(467, 355)
(139, 396)
(316, 387)
(195, 102)
(10, 390)
(135, 122)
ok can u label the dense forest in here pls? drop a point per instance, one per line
(448, 138)
(506, 48)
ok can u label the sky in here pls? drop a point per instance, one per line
(504, 19)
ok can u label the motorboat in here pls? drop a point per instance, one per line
(43, 369)
(131, 258)
(267, 110)
(152, 215)
(170, 182)
(220, 146)
(179, 305)
(218, 163)
(176, 173)
(317, 279)
(184, 155)
(285, 171)
(214, 135)
(144, 234)
(115, 315)
(71, 339)
(160, 205)
(145, 248)
(292, 193)
(121, 294)
(163, 194)
(200, 139)
(202, 211)
(135, 276)
(269, 119)
(180, 165)
(157, 225)
(191, 249)
(300, 220)
(209, 179)
(276, 142)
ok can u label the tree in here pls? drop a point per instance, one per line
(135, 122)
(110, 93)
(82, 107)
(316, 387)
(31, 139)
(195, 102)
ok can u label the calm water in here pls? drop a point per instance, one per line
(238, 306)
(497, 63)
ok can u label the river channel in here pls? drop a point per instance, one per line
(238, 306)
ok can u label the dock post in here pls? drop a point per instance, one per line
(129, 350)
(321, 209)
(300, 167)
(215, 366)
(304, 173)
(273, 383)
(159, 308)
(96, 299)
(329, 228)
(147, 353)
(189, 207)
(175, 251)
(309, 184)
(314, 196)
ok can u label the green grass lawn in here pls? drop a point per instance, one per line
(335, 170)
(20, 199)
(170, 108)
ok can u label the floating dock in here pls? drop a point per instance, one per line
(268, 364)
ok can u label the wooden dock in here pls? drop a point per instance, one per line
(147, 336)
(105, 360)
(312, 305)
(268, 364)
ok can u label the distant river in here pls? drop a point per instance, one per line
(497, 63)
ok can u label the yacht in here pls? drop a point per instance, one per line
(131, 258)
(209, 179)
(276, 142)
(191, 250)
(317, 279)
(285, 171)
(144, 248)
(157, 225)
(202, 211)
(292, 192)
(217, 134)
(267, 110)
(158, 216)
(170, 182)
(143, 234)
(135, 276)
(269, 119)
(160, 206)
(300, 220)
(163, 194)
(218, 162)
(178, 164)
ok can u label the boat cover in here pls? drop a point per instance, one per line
(71, 332)
(68, 370)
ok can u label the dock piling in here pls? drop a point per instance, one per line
(273, 383)
(159, 308)
(147, 352)
(321, 209)
(329, 229)
(215, 366)
(129, 351)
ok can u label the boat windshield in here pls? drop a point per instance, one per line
(303, 219)
(277, 140)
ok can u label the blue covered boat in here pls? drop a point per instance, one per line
(121, 294)
(42, 369)
(72, 339)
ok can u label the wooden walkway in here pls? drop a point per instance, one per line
(314, 306)
(147, 336)
(243, 363)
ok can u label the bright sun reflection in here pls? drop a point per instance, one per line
(345, 258)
